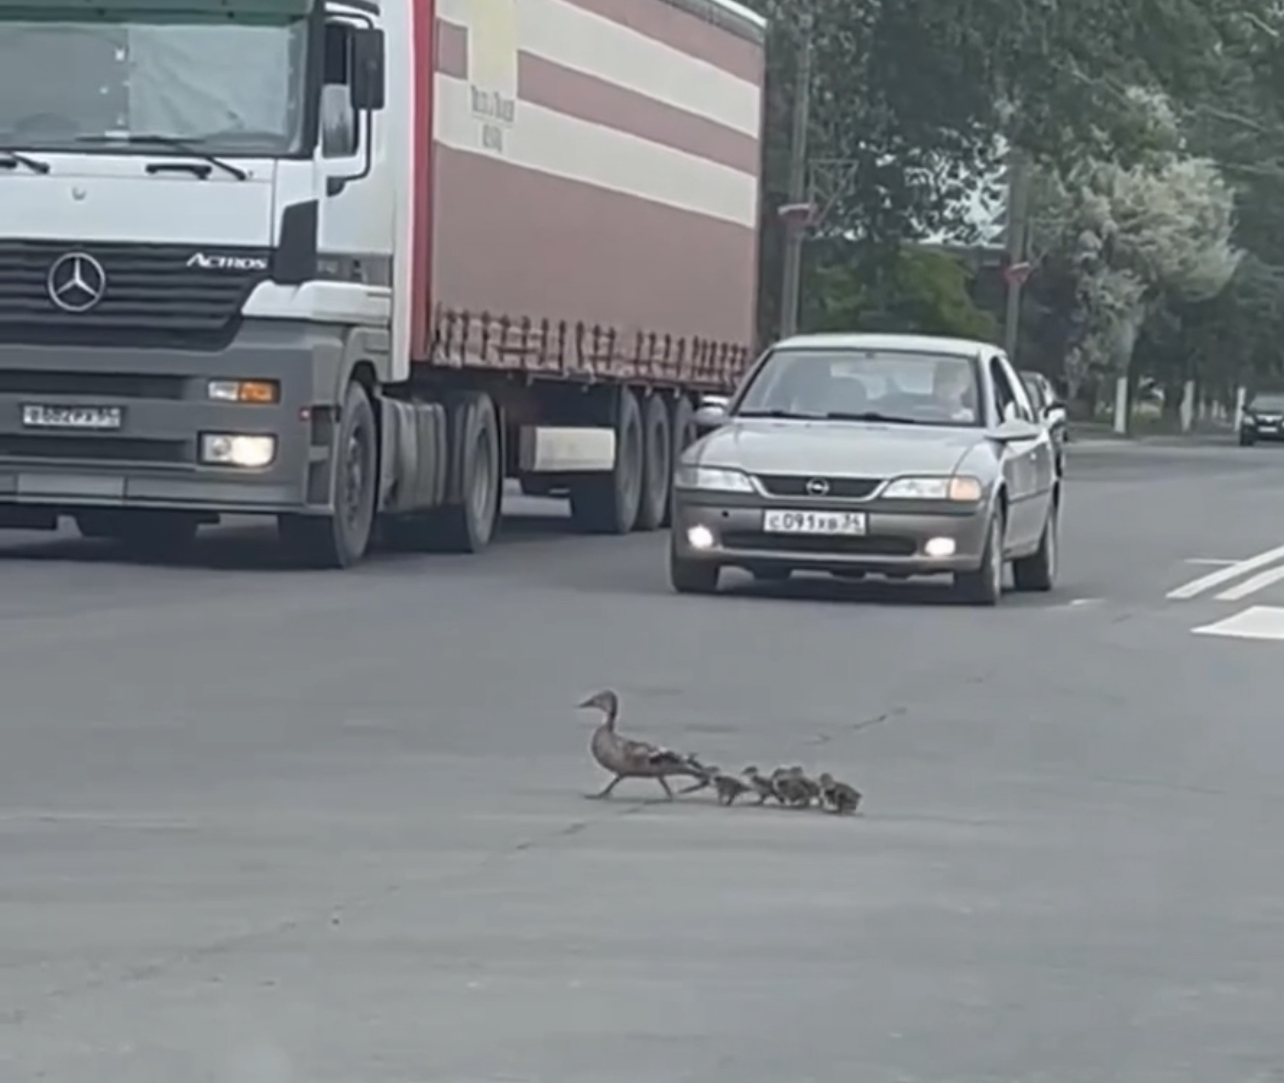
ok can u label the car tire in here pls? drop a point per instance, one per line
(1247, 439)
(985, 585)
(1038, 571)
(693, 576)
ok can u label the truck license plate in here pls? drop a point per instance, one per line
(96, 418)
(814, 522)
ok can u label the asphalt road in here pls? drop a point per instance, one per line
(264, 826)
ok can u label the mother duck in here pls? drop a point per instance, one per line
(626, 758)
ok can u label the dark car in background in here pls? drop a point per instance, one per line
(1048, 405)
(1263, 419)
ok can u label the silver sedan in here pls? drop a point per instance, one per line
(899, 455)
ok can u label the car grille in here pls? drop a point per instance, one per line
(839, 488)
(150, 293)
(869, 545)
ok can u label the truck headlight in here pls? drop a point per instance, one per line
(259, 392)
(237, 449)
(712, 478)
(960, 489)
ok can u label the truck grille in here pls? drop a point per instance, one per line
(150, 294)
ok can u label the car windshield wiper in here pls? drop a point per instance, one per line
(175, 143)
(873, 415)
(11, 159)
(786, 414)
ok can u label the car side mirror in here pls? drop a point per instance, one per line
(711, 415)
(1015, 430)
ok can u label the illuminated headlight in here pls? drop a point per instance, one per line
(232, 449)
(960, 489)
(712, 478)
(260, 392)
(940, 547)
(701, 537)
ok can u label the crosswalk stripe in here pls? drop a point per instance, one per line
(1255, 622)
(1224, 575)
(1260, 581)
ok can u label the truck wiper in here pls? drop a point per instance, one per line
(174, 142)
(11, 159)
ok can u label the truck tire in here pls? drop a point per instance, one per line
(657, 463)
(609, 504)
(467, 527)
(476, 480)
(148, 533)
(682, 428)
(341, 540)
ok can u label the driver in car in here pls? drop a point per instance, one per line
(954, 390)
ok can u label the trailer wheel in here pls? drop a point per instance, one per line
(609, 504)
(683, 430)
(341, 540)
(657, 463)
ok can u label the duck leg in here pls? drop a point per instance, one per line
(606, 790)
(668, 793)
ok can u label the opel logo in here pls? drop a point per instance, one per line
(76, 282)
(817, 487)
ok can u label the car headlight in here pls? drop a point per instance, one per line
(713, 478)
(960, 488)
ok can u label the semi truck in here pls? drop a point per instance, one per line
(352, 264)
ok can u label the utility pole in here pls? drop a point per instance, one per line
(796, 230)
(1017, 228)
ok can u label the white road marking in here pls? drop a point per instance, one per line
(1260, 581)
(1224, 575)
(1255, 622)
(1216, 561)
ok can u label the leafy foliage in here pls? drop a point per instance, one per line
(919, 290)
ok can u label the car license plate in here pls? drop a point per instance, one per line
(814, 522)
(96, 418)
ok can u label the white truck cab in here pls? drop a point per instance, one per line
(198, 215)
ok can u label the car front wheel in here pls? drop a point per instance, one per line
(1038, 571)
(693, 576)
(985, 585)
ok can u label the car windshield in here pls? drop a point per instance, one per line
(909, 387)
(1273, 403)
(224, 86)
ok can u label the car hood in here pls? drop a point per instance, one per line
(834, 448)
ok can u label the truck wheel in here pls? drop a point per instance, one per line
(467, 527)
(682, 428)
(609, 504)
(341, 540)
(657, 463)
(476, 479)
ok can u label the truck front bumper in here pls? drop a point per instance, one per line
(153, 459)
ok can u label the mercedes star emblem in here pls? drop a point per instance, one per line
(817, 487)
(76, 282)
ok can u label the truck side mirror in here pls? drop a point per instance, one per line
(369, 87)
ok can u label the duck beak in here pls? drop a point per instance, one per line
(590, 702)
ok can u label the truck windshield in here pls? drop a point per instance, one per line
(231, 87)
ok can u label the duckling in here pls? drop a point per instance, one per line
(626, 758)
(764, 787)
(797, 790)
(837, 796)
(729, 789)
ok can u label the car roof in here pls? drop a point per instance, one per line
(860, 340)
